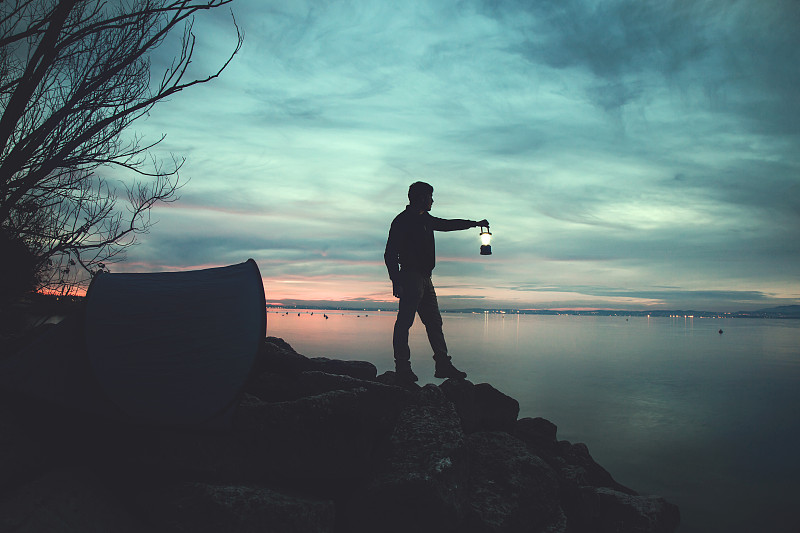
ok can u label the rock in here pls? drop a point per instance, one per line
(272, 387)
(356, 369)
(309, 447)
(605, 510)
(276, 387)
(193, 507)
(390, 378)
(481, 406)
(22, 458)
(214, 455)
(419, 483)
(278, 357)
(70, 500)
(462, 393)
(322, 442)
(313, 383)
(496, 411)
(329, 437)
(538, 433)
(575, 465)
(510, 489)
(580, 467)
(590, 497)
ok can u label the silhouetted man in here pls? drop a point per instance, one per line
(410, 257)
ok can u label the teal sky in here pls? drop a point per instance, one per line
(628, 154)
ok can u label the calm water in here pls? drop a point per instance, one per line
(668, 406)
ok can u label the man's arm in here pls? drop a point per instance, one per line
(455, 224)
(391, 256)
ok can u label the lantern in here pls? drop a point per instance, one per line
(486, 240)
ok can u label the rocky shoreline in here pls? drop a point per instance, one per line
(318, 445)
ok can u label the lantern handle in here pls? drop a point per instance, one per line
(487, 228)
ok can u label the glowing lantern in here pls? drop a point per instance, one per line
(486, 240)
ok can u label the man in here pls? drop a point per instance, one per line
(410, 258)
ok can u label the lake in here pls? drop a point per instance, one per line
(668, 405)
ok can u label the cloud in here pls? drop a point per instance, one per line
(616, 38)
(615, 147)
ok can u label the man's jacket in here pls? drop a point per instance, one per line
(410, 245)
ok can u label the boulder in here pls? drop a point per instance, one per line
(193, 507)
(390, 378)
(537, 433)
(581, 467)
(329, 437)
(510, 489)
(590, 497)
(314, 382)
(604, 510)
(481, 407)
(356, 369)
(68, 500)
(271, 387)
(419, 482)
(324, 441)
(22, 458)
(180, 452)
(278, 357)
(574, 464)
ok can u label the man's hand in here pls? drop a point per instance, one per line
(482, 223)
(397, 289)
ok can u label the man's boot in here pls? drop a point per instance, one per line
(404, 372)
(445, 369)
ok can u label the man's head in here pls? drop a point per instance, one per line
(420, 194)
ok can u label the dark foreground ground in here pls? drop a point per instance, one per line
(316, 445)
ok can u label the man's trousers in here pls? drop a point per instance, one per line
(418, 296)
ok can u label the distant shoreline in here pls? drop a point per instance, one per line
(51, 304)
(763, 313)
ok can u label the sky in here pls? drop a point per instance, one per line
(628, 154)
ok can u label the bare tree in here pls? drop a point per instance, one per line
(74, 74)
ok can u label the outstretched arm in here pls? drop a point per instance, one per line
(454, 224)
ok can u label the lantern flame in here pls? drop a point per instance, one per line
(486, 239)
